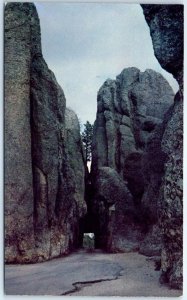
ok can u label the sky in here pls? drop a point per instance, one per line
(84, 44)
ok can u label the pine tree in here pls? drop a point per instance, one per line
(87, 135)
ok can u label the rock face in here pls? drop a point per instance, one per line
(44, 175)
(130, 106)
(166, 29)
(130, 110)
(19, 204)
(114, 211)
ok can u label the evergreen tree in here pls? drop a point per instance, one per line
(87, 135)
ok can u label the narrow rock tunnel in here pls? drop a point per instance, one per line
(87, 223)
(51, 200)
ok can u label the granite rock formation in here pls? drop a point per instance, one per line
(166, 29)
(44, 163)
(19, 204)
(137, 152)
(114, 213)
(130, 110)
(130, 106)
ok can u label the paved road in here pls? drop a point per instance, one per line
(87, 274)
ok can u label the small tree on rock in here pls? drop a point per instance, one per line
(87, 136)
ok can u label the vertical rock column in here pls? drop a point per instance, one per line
(44, 185)
(48, 131)
(19, 233)
(166, 30)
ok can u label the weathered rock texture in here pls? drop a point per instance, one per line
(115, 213)
(166, 29)
(130, 110)
(44, 175)
(19, 205)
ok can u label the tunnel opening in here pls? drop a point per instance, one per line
(88, 241)
(87, 224)
(87, 230)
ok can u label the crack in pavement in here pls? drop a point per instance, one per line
(66, 275)
(78, 286)
(80, 274)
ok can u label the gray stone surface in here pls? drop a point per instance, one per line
(151, 245)
(19, 205)
(166, 29)
(128, 110)
(48, 127)
(128, 127)
(76, 160)
(171, 198)
(44, 195)
(114, 211)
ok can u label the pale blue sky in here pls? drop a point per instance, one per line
(86, 43)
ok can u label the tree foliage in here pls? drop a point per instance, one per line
(87, 136)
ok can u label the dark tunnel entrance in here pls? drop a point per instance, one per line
(87, 238)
